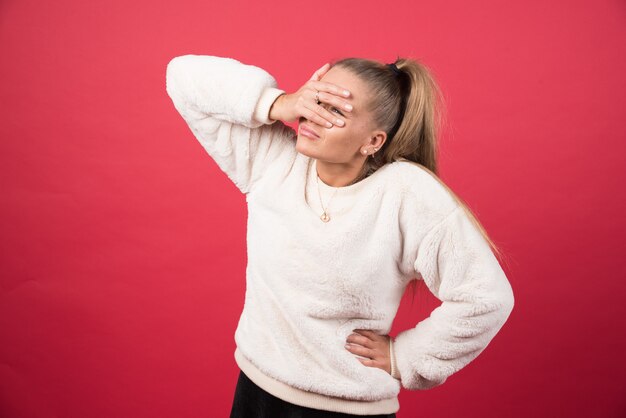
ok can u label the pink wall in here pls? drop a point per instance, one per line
(122, 257)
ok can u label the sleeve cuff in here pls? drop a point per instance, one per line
(394, 367)
(262, 109)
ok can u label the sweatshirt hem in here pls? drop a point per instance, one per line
(310, 399)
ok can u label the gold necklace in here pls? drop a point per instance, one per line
(324, 217)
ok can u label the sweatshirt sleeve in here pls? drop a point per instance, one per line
(226, 105)
(459, 268)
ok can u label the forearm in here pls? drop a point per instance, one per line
(220, 87)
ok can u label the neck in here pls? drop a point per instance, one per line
(340, 174)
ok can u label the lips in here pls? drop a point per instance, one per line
(308, 129)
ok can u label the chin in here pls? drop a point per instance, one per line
(301, 146)
(304, 147)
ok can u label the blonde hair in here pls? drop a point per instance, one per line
(413, 101)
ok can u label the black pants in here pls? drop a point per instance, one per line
(253, 402)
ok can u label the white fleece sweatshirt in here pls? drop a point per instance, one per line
(309, 284)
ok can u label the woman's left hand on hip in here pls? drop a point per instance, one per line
(374, 347)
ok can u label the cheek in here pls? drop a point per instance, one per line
(346, 137)
(341, 143)
(338, 137)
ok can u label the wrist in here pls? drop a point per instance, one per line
(264, 103)
(275, 108)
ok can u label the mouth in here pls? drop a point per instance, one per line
(308, 131)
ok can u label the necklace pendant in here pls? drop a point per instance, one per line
(325, 217)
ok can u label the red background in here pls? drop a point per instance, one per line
(123, 246)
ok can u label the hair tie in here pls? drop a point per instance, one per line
(397, 72)
(395, 69)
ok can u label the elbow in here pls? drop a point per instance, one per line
(500, 303)
(507, 301)
(502, 294)
(170, 73)
(511, 302)
(175, 63)
(169, 82)
(173, 73)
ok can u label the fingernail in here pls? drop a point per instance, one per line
(340, 122)
(346, 93)
(328, 124)
(347, 345)
(348, 106)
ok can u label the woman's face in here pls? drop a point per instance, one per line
(342, 144)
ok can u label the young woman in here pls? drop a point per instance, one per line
(342, 215)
